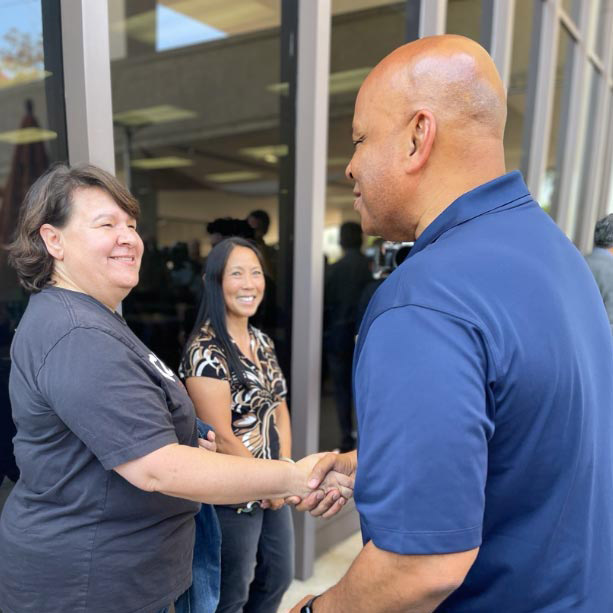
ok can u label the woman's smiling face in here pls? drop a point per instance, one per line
(100, 249)
(243, 283)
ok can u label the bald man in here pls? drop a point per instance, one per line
(482, 370)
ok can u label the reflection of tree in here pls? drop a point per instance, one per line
(20, 53)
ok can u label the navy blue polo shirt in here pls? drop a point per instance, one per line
(483, 380)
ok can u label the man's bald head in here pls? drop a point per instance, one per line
(428, 127)
(452, 76)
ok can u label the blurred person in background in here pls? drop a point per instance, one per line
(259, 220)
(600, 261)
(344, 283)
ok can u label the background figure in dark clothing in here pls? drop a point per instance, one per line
(8, 466)
(345, 281)
(259, 220)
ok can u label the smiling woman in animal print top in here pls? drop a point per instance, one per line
(233, 377)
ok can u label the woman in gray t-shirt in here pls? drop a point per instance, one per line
(111, 470)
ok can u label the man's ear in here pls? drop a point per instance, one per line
(421, 131)
(52, 237)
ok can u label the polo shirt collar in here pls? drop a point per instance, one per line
(492, 195)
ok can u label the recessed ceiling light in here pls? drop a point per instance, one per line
(162, 162)
(340, 82)
(269, 153)
(232, 177)
(26, 136)
(153, 114)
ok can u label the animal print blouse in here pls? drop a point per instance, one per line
(253, 408)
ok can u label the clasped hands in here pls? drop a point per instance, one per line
(330, 483)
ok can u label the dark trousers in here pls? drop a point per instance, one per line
(340, 367)
(257, 559)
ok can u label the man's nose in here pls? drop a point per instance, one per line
(348, 173)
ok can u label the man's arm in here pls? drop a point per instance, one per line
(384, 582)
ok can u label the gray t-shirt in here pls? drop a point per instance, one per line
(87, 396)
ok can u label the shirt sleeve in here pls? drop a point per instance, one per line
(206, 359)
(424, 424)
(101, 389)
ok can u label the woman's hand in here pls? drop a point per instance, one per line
(208, 443)
(273, 504)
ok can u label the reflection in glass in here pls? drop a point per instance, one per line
(363, 33)
(464, 17)
(197, 92)
(561, 99)
(28, 144)
(518, 83)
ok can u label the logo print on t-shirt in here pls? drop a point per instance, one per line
(161, 367)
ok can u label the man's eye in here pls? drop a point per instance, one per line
(357, 142)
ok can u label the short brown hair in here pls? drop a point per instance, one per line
(49, 200)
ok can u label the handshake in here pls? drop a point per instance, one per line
(328, 482)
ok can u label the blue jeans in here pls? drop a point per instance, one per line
(203, 595)
(257, 559)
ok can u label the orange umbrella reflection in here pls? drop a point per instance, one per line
(28, 163)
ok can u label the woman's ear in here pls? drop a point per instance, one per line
(52, 237)
(421, 132)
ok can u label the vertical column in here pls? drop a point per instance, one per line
(497, 34)
(537, 126)
(311, 170)
(87, 77)
(600, 171)
(432, 17)
(572, 125)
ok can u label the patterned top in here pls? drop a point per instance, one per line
(253, 408)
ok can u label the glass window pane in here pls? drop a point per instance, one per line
(464, 17)
(30, 140)
(579, 186)
(549, 187)
(361, 36)
(197, 96)
(518, 83)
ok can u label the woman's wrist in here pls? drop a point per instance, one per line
(298, 480)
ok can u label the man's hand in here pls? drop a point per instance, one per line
(330, 480)
(327, 504)
(296, 608)
(208, 443)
